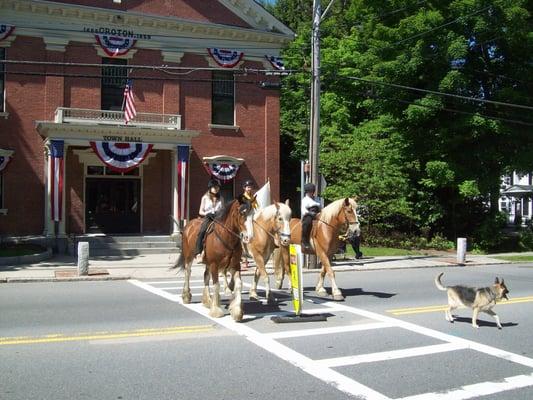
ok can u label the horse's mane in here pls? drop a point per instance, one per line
(222, 214)
(332, 210)
(269, 211)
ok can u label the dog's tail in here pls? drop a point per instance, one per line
(438, 283)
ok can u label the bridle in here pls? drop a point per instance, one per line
(346, 224)
(277, 235)
(239, 238)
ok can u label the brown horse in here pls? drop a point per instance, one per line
(271, 230)
(223, 251)
(338, 218)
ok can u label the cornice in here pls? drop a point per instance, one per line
(163, 29)
(81, 134)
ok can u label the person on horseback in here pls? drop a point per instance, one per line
(310, 208)
(247, 194)
(210, 204)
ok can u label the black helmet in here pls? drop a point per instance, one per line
(248, 182)
(212, 183)
(309, 187)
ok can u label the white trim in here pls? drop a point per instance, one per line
(128, 56)
(228, 127)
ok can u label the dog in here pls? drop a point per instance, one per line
(478, 299)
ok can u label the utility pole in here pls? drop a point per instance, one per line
(314, 134)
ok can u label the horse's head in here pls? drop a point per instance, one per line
(282, 223)
(349, 213)
(245, 218)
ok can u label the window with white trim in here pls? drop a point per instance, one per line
(223, 98)
(113, 81)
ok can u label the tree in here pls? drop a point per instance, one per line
(439, 157)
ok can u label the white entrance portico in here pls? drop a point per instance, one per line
(79, 127)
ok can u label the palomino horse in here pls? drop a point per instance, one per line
(271, 230)
(338, 218)
(223, 251)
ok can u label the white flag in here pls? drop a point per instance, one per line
(263, 196)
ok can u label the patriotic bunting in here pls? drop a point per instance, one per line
(182, 171)
(56, 177)
(121, 157)
(5, 31)
(223, 171)
(226, 58)
(277, 62)
(115, 45)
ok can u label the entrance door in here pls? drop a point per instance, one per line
(113, 205)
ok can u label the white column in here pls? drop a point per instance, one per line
(62, 222)
(48, 223)
(175, 222)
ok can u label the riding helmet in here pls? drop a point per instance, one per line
(212, 183)
(248, 182)
(309, 187)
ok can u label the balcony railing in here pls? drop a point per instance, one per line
(116, 118)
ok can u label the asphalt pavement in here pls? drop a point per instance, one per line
(158, 266)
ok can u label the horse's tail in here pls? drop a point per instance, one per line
(438, 283)
(180, 263)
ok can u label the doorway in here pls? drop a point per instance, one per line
(112, 205)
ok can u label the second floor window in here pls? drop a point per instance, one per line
(223, 98)
(2, 80)
(113, 82)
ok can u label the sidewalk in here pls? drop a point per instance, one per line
(156, 266)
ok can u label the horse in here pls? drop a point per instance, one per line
(271, 230)
(223, 250)
(337, 219)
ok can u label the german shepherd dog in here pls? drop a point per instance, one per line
(478, 299)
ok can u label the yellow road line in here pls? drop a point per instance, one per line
(428, 309)
(56, 338)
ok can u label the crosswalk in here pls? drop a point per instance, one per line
(329, 369)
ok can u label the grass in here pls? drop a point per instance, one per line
(516, 258)
(15, 250)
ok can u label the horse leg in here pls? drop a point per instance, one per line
(228, 286)
(206, 296)
(319, 288)
(253, 289)
(326, 269)
(235, 307)
(215, 311)
(186, 293)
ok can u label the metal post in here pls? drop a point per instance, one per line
(314, 135)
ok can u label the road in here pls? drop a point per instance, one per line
(388, 340)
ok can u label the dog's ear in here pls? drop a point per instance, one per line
(502, 282)
(497, 281)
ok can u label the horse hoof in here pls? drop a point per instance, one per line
(237, 314)
(271, 300)
(279, 284)
(338, 297)
(186, 298)
(216, 312)
(322, 292)
(254, 296)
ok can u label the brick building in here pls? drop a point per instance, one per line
(62, 83)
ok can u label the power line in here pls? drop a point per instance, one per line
(499, 103)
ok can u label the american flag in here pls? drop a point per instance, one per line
(182, 171)
(129, 103)
(56, 175)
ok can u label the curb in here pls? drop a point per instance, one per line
(70, 279)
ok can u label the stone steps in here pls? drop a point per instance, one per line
(119, 245)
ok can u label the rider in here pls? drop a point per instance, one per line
(210, 204)
(248, 193)
(310, 208)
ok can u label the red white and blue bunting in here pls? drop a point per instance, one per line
(182, 169)
(277, 62)
(115, 45)
(4, 160)
(223, 171)
(6, 30)
(121, 157)
(226, 58)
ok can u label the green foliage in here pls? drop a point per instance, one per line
(415, 159)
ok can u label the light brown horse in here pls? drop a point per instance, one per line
(338, 218)
(271, 230)
(223, 251)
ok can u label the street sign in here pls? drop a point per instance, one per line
(295, 256)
